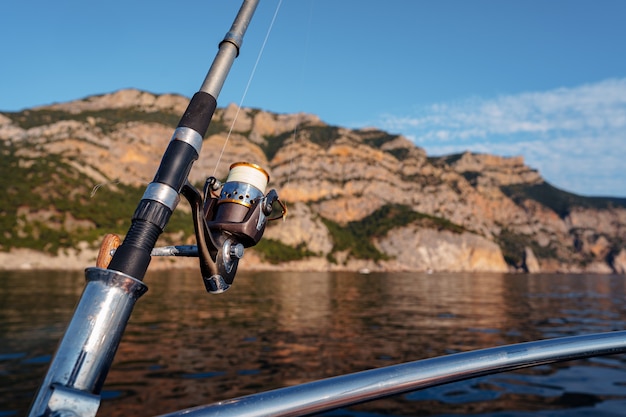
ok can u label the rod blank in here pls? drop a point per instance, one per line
(229, 50)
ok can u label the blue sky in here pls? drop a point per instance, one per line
(542, 79)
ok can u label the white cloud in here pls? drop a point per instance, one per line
(576, 137)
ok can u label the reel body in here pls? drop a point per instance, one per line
(227, 223)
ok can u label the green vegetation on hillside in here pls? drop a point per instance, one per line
(399, 153)
(375, 138)
(513, 246)
(355, 237)
(274, 143)
(275, 251)
(320, 135)
(471, 177)
(558, 200)
(323, 136)
(48, 205)
(105, 119)
(350, 238)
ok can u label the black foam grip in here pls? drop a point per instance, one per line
(133, 256)
(176, 164)
(199, 112)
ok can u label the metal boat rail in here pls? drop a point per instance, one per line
(345, 390)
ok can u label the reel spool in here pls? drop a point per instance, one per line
(244, 186)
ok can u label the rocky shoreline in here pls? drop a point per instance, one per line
(84, 257)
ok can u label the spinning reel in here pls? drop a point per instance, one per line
(228, 221)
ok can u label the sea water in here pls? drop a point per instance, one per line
(184, 347)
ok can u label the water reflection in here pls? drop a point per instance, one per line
(184, 347)
(303, 302)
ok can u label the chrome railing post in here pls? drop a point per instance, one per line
(78, 370)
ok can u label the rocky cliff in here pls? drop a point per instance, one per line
(357, 198)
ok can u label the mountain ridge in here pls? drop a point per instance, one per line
(358, 198)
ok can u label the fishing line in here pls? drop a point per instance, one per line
(95, 189)
(245, 92)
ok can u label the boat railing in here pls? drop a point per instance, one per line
(341, 391)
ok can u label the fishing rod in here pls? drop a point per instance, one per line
(163, 193)
(227, 218)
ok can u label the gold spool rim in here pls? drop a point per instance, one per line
(235, 201)
(251, 165)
